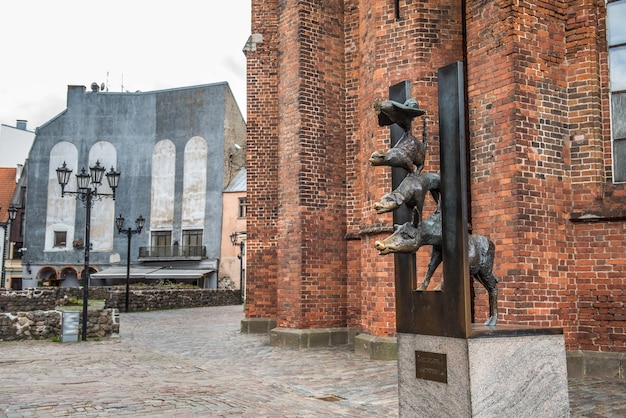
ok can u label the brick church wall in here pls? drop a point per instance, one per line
(311, 288)
(598, 264)
(262, 163)
(380, 55)
(518, 119)
(539, 146)
(540, 138)
(297, 251)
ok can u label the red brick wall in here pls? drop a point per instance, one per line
(380, 54)
(599, 262)
(541, 150)
(262, 164)
(518, 109)
(599, 320)
(310, 167)
(540, 158)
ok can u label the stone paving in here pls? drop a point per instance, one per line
(196, 363)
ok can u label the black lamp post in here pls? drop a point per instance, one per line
(88, 193)
(119, 221)
(235, 240)
(12, 213)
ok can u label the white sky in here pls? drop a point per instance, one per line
(143, 45)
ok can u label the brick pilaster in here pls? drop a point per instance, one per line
(262, 162)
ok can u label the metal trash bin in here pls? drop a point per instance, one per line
(70, 325)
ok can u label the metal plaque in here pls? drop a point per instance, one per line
(431, 366)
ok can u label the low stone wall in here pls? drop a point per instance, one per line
(158, 298)
(140, 299)
(32, 314)
(28, 300)
(95, 292)
(103, 323)
(34, 325)
(45, 299)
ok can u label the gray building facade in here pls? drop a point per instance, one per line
(175, 150)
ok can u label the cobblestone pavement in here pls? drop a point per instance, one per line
(195, 362)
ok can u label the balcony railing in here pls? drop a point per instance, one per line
(175, 252)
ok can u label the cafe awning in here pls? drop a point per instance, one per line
(120, 273)
(177, 274)
(151, 273)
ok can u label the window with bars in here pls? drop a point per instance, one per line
(616, 33)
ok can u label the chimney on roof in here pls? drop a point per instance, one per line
(21, 124)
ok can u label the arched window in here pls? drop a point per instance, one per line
(103, 213)
(195, 183)
(60, 212)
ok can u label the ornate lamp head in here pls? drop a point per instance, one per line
(63, 176)
(139, 222)
(119, 222)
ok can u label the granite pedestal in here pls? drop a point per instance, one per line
(497, 372)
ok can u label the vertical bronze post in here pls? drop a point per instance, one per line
(454, 198)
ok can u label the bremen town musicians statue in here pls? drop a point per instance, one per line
(410, 153)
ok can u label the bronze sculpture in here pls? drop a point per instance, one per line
(411, 192)
(408, 238)
(409, 151)
(390, 112)
(410, 154)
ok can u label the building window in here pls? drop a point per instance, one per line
(161, 238)
(242, 207)
(192, 238)
(616, 16)
(161, 241)
(60, 238)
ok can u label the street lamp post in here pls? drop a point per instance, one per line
(139, 222)
(5, 250)
(87, 193)
(236, 238)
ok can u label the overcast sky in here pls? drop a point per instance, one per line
(129, 45)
